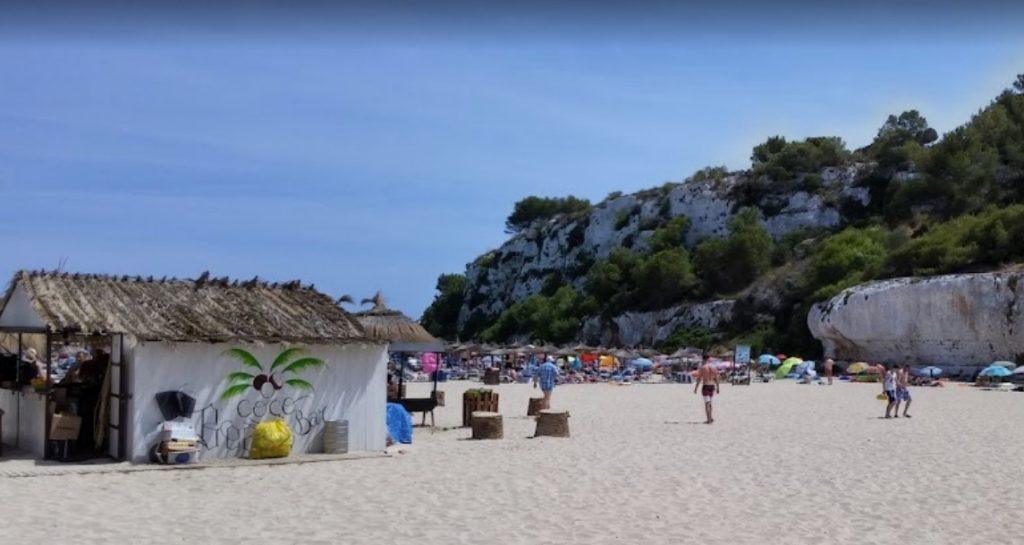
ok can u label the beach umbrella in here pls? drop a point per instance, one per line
(624, 355)
(429, 361)
(768, 359)
(995, 371)
(931, 371)
(649, 353)
(641, 363)
(1007, 364)
(857, 368)
(1019, 370)
(876, 369)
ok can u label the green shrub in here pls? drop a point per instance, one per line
(812, 183)
(534, 208)
(970, 241)
(441, 317)
(554, 318)
(664, 278)
(670, 235)
(731, 263)
(683, 337)
(621, 220)
(847, 258)
(780, 160)
(762, 338)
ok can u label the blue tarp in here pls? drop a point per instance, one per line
(399, 424)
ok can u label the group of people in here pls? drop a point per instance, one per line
(896, 387)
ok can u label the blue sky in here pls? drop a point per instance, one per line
(372, 150)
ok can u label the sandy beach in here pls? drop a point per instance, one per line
(784, 463)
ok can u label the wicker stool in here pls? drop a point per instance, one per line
(535, 405)
(487, 425)
(552, 423)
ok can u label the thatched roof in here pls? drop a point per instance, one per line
(384, 324)
(204, 309)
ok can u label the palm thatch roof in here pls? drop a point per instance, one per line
(205, 309)
(384, 324)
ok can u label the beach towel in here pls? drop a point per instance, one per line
(399, 423)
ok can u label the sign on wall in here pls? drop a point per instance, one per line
(282, 395)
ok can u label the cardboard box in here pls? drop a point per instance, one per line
(176, 430)
(65, 427)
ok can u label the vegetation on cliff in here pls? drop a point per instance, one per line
(936, 206)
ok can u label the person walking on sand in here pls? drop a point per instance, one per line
(828, 370)
(903, 390)
(889, 388)
(707, 376)
(546, 376)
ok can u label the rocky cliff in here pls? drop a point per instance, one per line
(954, 320)
(565, 246)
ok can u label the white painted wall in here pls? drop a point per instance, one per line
(24, 420)
(350, 386)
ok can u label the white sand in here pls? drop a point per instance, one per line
(784, 463)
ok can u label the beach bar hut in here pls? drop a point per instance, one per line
(243, 351)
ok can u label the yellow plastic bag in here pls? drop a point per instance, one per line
(271, 439)
(882, 397)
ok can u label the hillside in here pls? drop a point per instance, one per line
(726, 256)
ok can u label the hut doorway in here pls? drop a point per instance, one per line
(83, 406)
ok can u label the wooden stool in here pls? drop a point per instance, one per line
(477, 400)
(552, 423)
(492, 376)
(535, 405)
(487, 425)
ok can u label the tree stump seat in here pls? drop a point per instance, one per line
(487, 425)
(535, 405)
(552, 423)
(492, 376)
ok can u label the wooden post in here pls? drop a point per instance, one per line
(552, 423)
(487, 425)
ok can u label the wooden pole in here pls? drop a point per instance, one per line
(47, 396)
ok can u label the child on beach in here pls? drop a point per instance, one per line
(708, 376)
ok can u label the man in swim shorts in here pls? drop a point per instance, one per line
(903, 390)
(707, 382)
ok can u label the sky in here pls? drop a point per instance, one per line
(364, 149)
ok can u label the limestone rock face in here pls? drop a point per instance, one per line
(565, 246)
(650, 328)
(956, 321)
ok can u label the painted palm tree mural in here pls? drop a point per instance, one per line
(282, 372)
